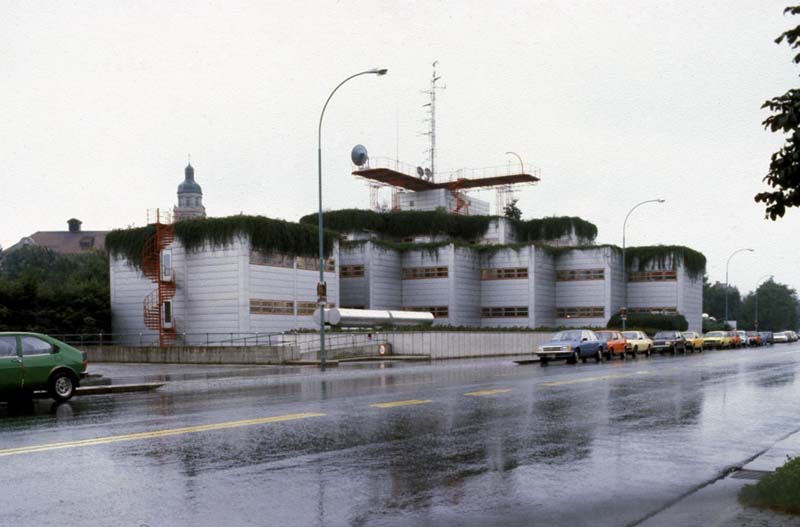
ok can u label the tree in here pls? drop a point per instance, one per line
(777, 308)
(511, 210)
(784, 167)
(714, 300)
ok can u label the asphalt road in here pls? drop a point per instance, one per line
(453, 443)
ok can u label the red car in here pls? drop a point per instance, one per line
(614, 343)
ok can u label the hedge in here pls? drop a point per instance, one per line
(651, 322)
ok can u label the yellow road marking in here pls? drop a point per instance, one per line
(479, 393)
(401, 403)
(592, 379)
(154, 434)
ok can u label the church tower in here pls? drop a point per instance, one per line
(190, 198)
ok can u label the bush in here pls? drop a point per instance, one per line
(778, 491)
(651, 322)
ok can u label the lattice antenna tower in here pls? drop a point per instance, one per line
(431, 106)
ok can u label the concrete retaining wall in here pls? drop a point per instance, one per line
(462, 344)
(193, 354)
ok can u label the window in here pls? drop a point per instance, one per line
(312, 264)
(271, 307)
(35, 346)
(652, 276)
(166, 314)
(436, 311)
(271, 259)
(354, 307)
(166, 265)
(351, 271)
(580, 275)
(8, 347)
(507, 273)
(580, 312)
(654, 310)
(87, 242)
(418, 273)
(504, 312)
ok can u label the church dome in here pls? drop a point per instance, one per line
(189, 185)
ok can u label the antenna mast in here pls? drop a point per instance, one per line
(432, 118)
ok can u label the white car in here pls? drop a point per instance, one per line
(780, 337)
(638, 342)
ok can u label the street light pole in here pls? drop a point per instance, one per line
(756, 295)
(322, 292)
(624, 280)
(727, 266)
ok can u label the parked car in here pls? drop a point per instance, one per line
(766, 338)
(614, 343)
(717, 340)
(32, 362)
(792, 336)
(669, 341)
(780, 337)
(572, 345)
(754, 338)
(638, 342)
(743, 337)
(694, 341)
(736, 339)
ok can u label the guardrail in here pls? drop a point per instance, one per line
(309, 342)
(192, 339)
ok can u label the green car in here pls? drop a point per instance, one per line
(31, 362)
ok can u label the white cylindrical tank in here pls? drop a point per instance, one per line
(373, 317)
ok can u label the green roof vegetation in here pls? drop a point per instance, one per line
(778, 491)
(665, 257)
(404, 224)
(265, 234)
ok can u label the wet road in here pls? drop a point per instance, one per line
(453, 443)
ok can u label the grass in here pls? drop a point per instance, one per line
(779, 491)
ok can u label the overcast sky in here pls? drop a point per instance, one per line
(616, 101)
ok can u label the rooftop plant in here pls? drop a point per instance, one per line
(403, 224)
(265, 234)
(665, 257)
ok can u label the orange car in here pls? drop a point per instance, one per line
(736, 339)
(614, 343)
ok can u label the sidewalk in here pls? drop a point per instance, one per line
(716, 505)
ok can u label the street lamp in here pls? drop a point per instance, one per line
(321, 286)
(727, 265)
(624, 280)
(756, 295)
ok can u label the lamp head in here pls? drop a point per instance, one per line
(661, 200)
(380, 71)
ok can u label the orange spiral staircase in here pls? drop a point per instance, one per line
(165, 290)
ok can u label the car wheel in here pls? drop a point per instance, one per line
(61, 386)
(624, 355)
(543, 362)
(648, 352)
(635, 352)
(599, 356)
(575, 356)
(700, 350)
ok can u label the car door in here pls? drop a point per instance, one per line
(10, 364)
(37, 361)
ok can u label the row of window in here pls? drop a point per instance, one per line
(507, 273)
(30, 346)
(418, 273)
(654, 310)
(580, 275)
(288, 262)
(281, 307)
(351, 271)
(652, 276)
(504, 312)
(580, 312)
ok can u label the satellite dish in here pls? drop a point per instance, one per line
(419, 172)
(359, 155)
(428, 174)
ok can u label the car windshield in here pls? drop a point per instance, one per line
(715, 334)
(566, 336)
(665, 335)
(604, 336)
(631, 335)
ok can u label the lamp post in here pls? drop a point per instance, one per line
(727, 266)
(756, 295)
(624, 280)
(322, 292)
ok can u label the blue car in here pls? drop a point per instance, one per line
(572, 345)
